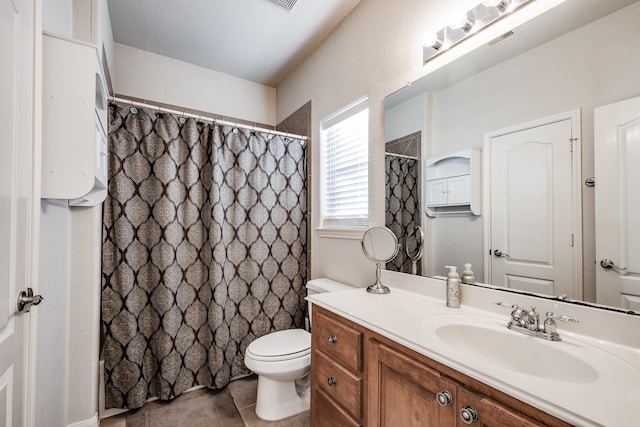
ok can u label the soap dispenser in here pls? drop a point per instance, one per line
(453, 287)
(467, 275)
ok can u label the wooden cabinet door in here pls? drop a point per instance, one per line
(491, 413)
(402, 391)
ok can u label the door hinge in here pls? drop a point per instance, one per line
(571, 141)
(573, 242)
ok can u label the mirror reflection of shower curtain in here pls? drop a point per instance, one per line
(403, 208)
(204, 250)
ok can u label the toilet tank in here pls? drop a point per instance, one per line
(320, 286)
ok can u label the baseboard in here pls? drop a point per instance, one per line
(91, 422)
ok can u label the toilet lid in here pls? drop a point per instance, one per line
(281, 345)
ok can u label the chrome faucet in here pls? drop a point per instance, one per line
(528, 322)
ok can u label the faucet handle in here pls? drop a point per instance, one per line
(550, 325)
(563, 318)
(517, 314)
(504, 304)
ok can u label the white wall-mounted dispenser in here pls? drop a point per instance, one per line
(74, 122)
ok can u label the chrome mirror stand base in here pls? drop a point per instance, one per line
(378, 288)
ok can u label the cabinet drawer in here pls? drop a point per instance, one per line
(325, 413)
(339, 340)
(340, 384)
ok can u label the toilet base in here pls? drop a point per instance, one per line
(279, 399)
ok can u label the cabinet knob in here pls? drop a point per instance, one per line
(468, 414)
(332, 339)
(444, 398)
(332, 381)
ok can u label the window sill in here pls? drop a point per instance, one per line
(341, 233)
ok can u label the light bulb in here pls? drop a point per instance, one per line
(500, 5)
(432, 40)
(463, 22)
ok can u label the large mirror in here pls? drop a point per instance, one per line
(554, 73)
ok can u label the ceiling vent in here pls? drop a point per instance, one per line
(501, 38)
(286, 4)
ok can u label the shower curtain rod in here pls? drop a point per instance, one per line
(404, 156)
(204, 118)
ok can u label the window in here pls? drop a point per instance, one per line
(344, 160)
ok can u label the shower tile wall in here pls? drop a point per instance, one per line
(299, 123)
(408, 145)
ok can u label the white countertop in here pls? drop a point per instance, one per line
(607, 395)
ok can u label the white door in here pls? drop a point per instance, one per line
(532, 223)
(617, 160)
(16, 144)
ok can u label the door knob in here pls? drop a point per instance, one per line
(26, 299)
(608, 264)
(499, 253)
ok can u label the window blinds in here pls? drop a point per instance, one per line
(345, 161)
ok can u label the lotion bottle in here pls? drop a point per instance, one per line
(453, 287)
(467, 275)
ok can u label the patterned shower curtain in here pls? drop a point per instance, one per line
(204, 250)
(402, 208)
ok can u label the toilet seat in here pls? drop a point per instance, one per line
(282, 345)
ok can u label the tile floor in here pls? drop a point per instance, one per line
(234, 406)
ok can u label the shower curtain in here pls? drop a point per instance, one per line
(204, 250)
(402, 208)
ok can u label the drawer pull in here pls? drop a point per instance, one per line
(468, 414)
(332, 381)
(332, 339)
(444, 398)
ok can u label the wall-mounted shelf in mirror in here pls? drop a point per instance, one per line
(453, 183)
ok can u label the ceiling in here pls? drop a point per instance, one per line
(256, 40)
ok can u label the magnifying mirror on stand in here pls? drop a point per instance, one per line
(380, 245)
(414, 248)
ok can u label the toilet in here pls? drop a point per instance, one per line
(282, 361)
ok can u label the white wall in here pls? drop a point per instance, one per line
(84, 318)
(52, 353)
(406, 118)
(105, 36)
(539, 83)
(376, 50)
(57, 17)
(145, 75)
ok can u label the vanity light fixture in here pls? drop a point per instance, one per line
(500, 5)
(472, 22)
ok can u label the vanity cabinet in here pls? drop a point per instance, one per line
(359, 377)
(337, 384)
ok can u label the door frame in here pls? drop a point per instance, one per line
(33, 262)
(576, 188)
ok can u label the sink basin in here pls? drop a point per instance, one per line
(482, 339)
